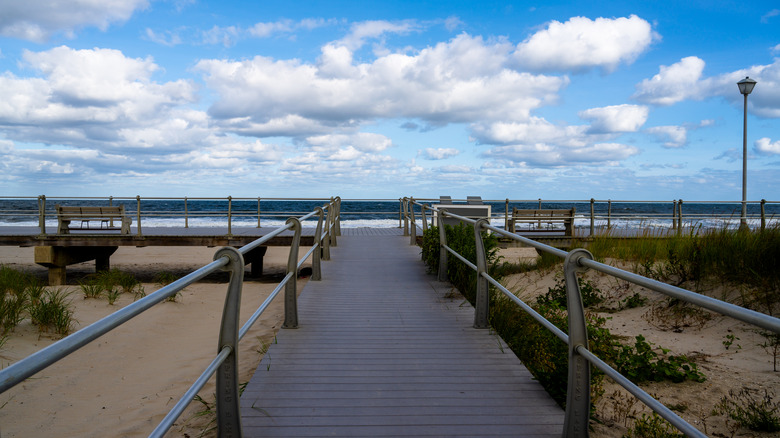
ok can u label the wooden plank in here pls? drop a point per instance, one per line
(383, 349)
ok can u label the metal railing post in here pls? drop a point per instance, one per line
(679, 216)
(442, 243)
(424, 218)
(316, 270)
(482, 302)
(291, 288)
(329, 230)
(763, 215)
(111, 204)
(42, 214)
(609, 214)
(228, 415)
(578, 391)
(230, 216)
(186, 214)
(506, 214)
(405, 204)
(258, 212)
(138, 214)
(400, 213)
(334, 218)
(338, 216)
(413, 239)
(674, 214)
(592, 218)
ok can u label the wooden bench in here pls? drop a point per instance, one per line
(542, 221)
(86, 216)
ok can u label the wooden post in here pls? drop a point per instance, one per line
(763, 214)
(592, 218)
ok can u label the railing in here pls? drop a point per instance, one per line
(225, 364)
(575, 262)
(600, 216)
(191, 212)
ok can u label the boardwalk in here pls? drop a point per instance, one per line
(383, 349)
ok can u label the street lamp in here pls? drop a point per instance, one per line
(745, 87)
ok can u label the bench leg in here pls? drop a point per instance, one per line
(255, 257)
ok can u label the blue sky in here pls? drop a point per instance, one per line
(363, 99)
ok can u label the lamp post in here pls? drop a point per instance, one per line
(745, 87)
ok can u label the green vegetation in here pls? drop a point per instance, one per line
(652, 426)
(112, 284)
(51, 311)
(541, 351)
(164, 278)
(750, 409)
(746, 259)
(641, 363)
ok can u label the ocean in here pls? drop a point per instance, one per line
(211, 212)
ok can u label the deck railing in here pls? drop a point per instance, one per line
(225, 364)
(581, 358)
(599, 215)
(224, 212)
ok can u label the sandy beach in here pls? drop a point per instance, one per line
(126, 381)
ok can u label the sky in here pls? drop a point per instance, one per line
(561, 100)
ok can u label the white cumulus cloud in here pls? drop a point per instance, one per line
(673, 136)
(673, 83)
(439, 153)
(37, 20)
(582, 44)
(766, 146)
(616, 118)
(461, 80)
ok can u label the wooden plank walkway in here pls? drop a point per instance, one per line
(383, 349)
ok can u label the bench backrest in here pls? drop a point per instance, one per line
(536, 214)
(90, 212)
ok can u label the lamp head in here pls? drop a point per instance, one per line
(746, 85)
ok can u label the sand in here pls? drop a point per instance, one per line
(124, 383)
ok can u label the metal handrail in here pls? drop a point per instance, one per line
(576, 261)
(225, 363)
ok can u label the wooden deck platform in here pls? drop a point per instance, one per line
(383, 349)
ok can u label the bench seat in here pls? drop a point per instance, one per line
(83, 219)
(542, 221)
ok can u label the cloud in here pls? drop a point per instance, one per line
(225, 36)
(38, 20)
(674, 136)
(167, 38)
(268, 29)
(364, 30)
(773, 13)
(98, 97)
(582, 44)
(439, 153)
(765, 146)
(361, 141)
(615, 118)
(547, 155)
(462, 80)
(683, 80)
(673, 83)
(264, 30)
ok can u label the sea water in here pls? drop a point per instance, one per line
(386, 213)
